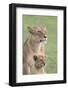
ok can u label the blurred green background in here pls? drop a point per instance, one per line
(51, 48)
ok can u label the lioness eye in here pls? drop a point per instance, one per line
(39, 31)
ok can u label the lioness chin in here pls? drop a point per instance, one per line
(34, 46)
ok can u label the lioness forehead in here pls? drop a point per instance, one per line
(40, 28)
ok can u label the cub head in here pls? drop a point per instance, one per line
(39, 34)
(39, 61)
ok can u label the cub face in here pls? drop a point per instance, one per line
(39, 61)
(39, 33)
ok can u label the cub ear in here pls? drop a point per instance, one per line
(30, 29)
(35, 58)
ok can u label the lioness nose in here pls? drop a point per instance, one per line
(45, 37)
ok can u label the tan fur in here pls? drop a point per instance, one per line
(34, 46)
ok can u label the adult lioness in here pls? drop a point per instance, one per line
(34, 45)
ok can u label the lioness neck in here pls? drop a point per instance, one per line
(35, 46)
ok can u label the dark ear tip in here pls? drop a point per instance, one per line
(28, 27)
(35, 57)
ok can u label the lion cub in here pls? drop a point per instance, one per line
(39, 63)
(33, 46)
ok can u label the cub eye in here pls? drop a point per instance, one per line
(35, 58)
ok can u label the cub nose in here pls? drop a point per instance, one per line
(43, 62)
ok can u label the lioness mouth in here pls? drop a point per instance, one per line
(42, 40)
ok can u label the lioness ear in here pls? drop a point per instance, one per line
(45, 28)
(30, 29)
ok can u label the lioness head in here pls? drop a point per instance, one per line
(39, 34)
(39, 61)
